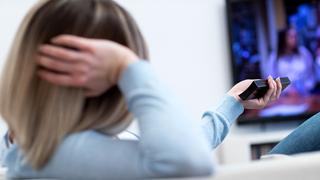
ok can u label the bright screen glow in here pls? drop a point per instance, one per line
(280, 38)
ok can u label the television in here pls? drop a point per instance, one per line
(280, 38)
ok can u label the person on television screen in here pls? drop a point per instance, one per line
(293, 61)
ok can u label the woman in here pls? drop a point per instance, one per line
(216, 122)
(293, 61)
(68, 132)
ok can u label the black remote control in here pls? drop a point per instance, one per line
(258, 88)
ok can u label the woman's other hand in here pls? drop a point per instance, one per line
(95, 65)
(272, 94)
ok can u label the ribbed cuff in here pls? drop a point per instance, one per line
(230, 108)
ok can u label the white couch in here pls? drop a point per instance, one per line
(300, 167)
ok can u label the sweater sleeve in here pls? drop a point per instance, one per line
(171, 142)
(217, 122)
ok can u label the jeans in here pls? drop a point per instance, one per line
(306, 138)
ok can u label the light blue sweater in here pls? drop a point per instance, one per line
(171, 143)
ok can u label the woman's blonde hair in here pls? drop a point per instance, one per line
(41, 114)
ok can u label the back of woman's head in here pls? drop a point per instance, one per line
(41, 114)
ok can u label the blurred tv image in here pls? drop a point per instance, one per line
(280, 38)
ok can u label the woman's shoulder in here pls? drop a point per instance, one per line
(304, 50)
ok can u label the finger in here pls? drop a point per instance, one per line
(62, 79)
(71, 41)
(274, 94)
(62, 66)
(61, 53)
(55, 65)
(255, 103)
(279, 87)
(269, 93)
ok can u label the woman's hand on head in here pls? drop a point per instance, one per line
(272, 94)
(95, 65)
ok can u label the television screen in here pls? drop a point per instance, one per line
(280, 38)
